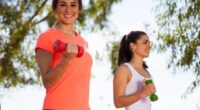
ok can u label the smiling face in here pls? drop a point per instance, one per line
(67, 11)
(142, 46)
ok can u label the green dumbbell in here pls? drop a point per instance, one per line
(153, 96)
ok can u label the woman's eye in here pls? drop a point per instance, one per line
(62, 5)
(146, 42)
(73, 5)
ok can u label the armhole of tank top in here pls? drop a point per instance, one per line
(131, 71)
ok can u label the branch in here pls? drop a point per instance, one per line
(36, 13)
(43, 19)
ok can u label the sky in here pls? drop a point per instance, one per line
(126, 16)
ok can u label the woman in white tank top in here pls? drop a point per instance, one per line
(129, 88)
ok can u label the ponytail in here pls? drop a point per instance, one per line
(124, 53)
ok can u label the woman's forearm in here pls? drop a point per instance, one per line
(54, 75)
(124, 101)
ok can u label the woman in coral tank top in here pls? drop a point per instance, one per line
(65, 76)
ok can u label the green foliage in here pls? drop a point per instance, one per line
(179, 22)
(113, 55)
(17, 21)
(96, 14)
(19, 28)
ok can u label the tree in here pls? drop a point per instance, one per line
(178, 31)
(19, 28)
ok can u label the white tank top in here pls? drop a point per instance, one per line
(135, 85)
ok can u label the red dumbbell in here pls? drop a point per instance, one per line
(60, 46)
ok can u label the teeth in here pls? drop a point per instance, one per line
(68, 16)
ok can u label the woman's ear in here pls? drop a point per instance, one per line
(132, 46)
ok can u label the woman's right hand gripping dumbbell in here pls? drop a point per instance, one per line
(71, 51)
(148, 89)
(68, 50)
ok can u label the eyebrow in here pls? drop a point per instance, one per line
(145, 40)
(73, 2)
(61, 2)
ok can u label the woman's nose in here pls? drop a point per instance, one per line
(68, 9)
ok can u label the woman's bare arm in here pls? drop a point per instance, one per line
(121, 79)
(44, 59)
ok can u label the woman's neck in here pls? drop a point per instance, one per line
(64, 28)
(137, 62)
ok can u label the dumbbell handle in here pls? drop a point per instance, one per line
(153, 96)
(60, 46)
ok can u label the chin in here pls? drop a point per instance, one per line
(68, 22)
(145, 56)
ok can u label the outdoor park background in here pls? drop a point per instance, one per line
(126, 16)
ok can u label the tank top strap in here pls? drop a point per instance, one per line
(130, 67)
